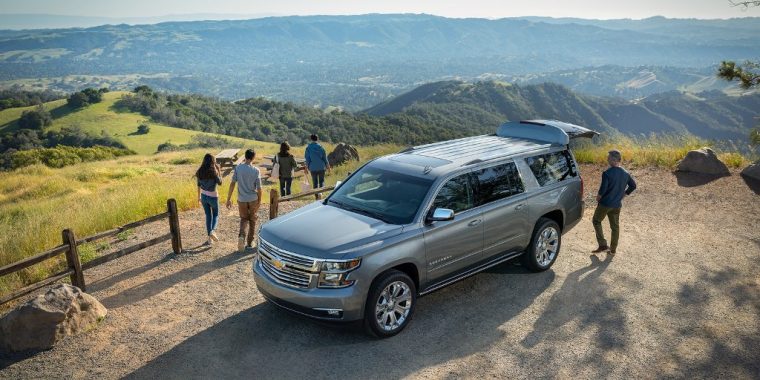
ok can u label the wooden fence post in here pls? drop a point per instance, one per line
(171, 205)
(274, 203)
(72, 258)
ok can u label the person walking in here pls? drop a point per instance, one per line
(316, 162)
(288, 165)
(248, 180)
(616, 184)
(209, 176)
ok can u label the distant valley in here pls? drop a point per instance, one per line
(356, 62)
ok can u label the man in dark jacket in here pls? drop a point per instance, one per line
(616, 184)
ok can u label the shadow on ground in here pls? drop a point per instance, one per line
(159, 284)
(689, 179)
(753, 184)
(731, 351)
(464, 319)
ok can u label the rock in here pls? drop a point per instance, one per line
(342, 154)
(703, 161)
(40, 323)
(752, 171)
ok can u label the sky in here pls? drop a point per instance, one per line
(590, 9)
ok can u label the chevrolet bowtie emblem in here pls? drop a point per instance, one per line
(278, 264)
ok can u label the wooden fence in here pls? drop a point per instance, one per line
(275, 199)
(75, 269)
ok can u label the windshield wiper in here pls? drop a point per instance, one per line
(361, 211)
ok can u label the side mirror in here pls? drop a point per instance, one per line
(441, 215)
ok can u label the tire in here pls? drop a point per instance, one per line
(383, 320)
(544, 246)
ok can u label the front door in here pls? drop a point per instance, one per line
(451, 246)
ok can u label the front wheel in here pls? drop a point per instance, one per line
(544, 246)
(390, 304)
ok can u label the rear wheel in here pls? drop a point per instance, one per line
(544, 246)
(390, 304)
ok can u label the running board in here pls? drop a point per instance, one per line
(470, 272)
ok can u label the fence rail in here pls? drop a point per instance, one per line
(275, 199)
(75, 269)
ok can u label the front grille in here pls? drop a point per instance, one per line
(285, 268)
(300, 262)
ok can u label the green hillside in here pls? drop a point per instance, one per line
(119, 123)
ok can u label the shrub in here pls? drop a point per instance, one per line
(61, 156)
(143, 129)
(85, 97)
(38, 118)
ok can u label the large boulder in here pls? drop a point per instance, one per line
(703, 161)
(40, 323)
(752, 171)
(342, 154)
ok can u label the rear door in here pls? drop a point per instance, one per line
(501, 196)
(456, 244)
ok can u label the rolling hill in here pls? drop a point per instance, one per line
(106, 117)
(456, 104)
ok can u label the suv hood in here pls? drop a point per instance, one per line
(325, 232)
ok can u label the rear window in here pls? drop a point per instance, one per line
(498, 182)
(551, 168)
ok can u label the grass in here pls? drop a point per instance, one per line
(658, 151)
(37, 202)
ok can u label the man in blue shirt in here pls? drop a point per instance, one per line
(316, 162)
(616, 184)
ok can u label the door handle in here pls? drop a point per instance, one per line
(520, 206)
(474, 223)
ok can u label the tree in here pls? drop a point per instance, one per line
(745, 4)
(746, 75)
(143, 129)
(38, 118)
(77, 100)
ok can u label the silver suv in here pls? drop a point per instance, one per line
(410, 223)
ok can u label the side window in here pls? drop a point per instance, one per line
(552, 167)
(498, 182)
(456, 194)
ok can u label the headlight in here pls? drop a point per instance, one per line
(334, 273)
(340, 266)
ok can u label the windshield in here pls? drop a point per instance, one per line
(388, 196)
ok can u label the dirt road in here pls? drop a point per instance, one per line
(680, 299)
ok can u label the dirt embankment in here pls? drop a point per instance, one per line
(680, 299)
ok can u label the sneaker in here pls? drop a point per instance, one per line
(611, 252)
(241, 244)
(601, 248)
(213, 236)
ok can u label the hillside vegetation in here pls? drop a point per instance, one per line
(455, 104)
(106, 117)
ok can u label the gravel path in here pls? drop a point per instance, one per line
(680, 299)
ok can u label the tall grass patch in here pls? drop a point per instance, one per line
(656, 150)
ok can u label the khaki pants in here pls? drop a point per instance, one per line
(248, 218)
(614, 215)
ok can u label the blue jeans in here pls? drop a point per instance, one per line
(285, 186)
(318, 178)
(211, 208)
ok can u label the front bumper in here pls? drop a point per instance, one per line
(345, 304)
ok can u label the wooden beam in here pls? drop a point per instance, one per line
(307, 193)
(171, 204)
(72, 258)
(35, 286)
(123, 228)
(274, 202)
(126, 251)
(29, 261)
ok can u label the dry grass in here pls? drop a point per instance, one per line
(657, 151)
